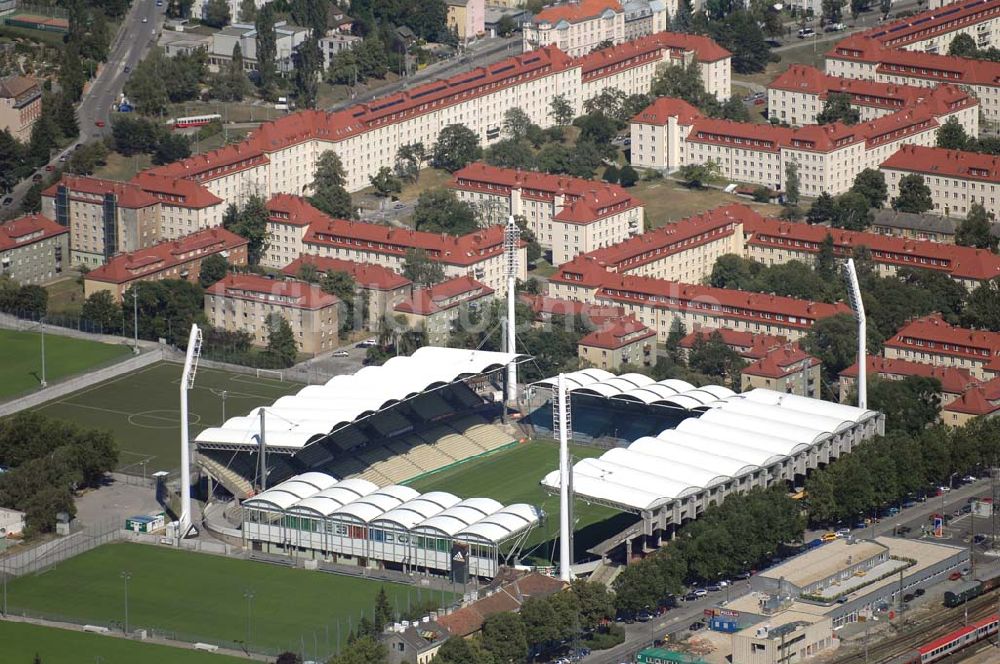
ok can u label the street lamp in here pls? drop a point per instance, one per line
(248, 594)
(42, 326)
(135, 318)
(126, 575)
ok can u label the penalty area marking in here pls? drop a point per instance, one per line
(160, 419)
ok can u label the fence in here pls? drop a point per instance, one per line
(44, 556)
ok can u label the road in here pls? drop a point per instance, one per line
(131, 43)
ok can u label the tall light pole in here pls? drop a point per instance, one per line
(126, 575)
(511, 241)
(135, 318)
(42, 325)
(187, 382)
(248, 594)
(854, 292)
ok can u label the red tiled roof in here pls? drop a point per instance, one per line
(781, 362)
(592, 314)
(973, 402)
(959, 262)
(585, 201)
(574, 12)
(365, 275)
(933, 22)
(176, 191)
(584, 270)
(947, 163)
(454, 250)
(128, 195)
(27, 230)
(931, 334)
(283, 292)
(509, 597)
(663, 108)
(748, 344)
(806, 79)
(426, 301)
(953, 379)
(291, 210)
(617, 334)
(166, 255)
(723, 302)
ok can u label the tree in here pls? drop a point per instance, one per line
(420, 269)
(329, 193)
(683, 19)
(611, 174)
(266, 48)
(87, 157)
(515, 123)
(976, 230)
(833, 10)
(628, 177)
(463, 651)
(440, 211)
(696, 176)
(852, 211)
(506, 26)
(681, 82)
(823, 209)
(342, 285)
(740, 33)
(281, 344)
(213, 268)
(504, 636)
(385, 182)
(561, 111)
(250, 222)
(308, 61)
(914, 195)
(43, 138)
(595, 603)
(792, 183)
(910, 405)
(102, 310)
(713, 357)
(963, 45)
(363, 650)
(288, 657)
(232, 84)
(677, 332)
(982, 309)
(456, 146)
(951, 135)
(248, 11)
(826, 260)
(834, 341)
(510, 153)
(838, 109)
(870, 183)
(65, 116)
(383, 610)
(171, 148)
(216, 13)
(311, 14)
(408, 159)
(11, 155)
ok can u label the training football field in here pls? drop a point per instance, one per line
(200, 597)
(142, 409)
(512, 476)
(21, 352)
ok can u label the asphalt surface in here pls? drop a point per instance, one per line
(133, 40)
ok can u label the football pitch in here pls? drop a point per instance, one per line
(200, 597)
(22, 641)
(21, 369)
(512, 476)
(142, 409)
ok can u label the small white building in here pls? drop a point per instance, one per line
(11, 522)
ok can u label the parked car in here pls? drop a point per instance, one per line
(145, 20)
(699, 592)
(829, 537)
(742, 576)
(99, 123)
(644, 616)
(919, 592)
(341, 353)
(955, 576)
(127, 69)
(37, 177)
(690, 597)
(50, 167)
(714, 588)
(695, 626)
(8, 200)
(806, 33)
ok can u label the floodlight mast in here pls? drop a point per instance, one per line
(187, 382)
(565, 536)
(854, 292)
(511, 240)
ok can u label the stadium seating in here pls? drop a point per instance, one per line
(348, 438)
(488, 436)
(234, 481)
(464, 396)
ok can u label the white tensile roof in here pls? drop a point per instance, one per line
(638, 387)
(736, 435)
(435, 513)
(295, 421)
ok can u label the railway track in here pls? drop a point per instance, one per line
(912, 635)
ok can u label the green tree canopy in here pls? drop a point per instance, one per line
(914, 195)
(440, 211)
(213, 268)
(838, 109)
(951, 135)
(456, 146)
(870, 183)
(281, 345)
(329, 192)
(976, 230)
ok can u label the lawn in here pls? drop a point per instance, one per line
(142, 410)
(198, 597)
(122, 168)
(667, 201)
(22, 641)
(65, 297)
(22, 352)
(513, 476)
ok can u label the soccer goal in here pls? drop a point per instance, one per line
(272, 374)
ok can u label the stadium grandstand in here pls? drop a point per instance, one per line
(385, 425)
(719, 443)
(353, 521)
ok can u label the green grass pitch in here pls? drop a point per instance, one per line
(21, 369)
(142, 409)
(200, 597)
(512, 476)
(22, 641)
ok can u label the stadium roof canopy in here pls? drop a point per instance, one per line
(293, 422)
(732, 435)
(481, 520)
(638, 388)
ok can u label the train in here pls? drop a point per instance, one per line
(193, 121)
(963, 592)
(948, 644)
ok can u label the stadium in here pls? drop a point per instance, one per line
(337, 459)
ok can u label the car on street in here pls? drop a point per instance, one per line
(695, 626)
(63, 157)
(979, 538)
(742, 576)
(368, 343)
(943, 489)
(955, 576)
(99, 123)
(399, 206)
(127, 69)
(145, 20)
(843, 532)
(969, 478)
(699, 592)
(829, 537)
(341, 353)
(37, 177)
(690, 597)
(714, 588)
(807, 33)
(644, 616)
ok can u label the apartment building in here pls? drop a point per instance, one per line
(979, 401)
(567, 215)
(787, 369)
(932, 340)
(381, 288)
(247, 302)
(930, 227)
(799, 94)
(438, 309)
(20, 105)
(577, 27)
(828, 156)
(288, 219)
(954, 381)
(620, 342)
(932, 31)
(479, 255)
(683, 251)
(751, 347)
(647, 17)
(656, 302)
(32, 249)
(774, 241)
(956, 179)
(179, 259)
(466, 18)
